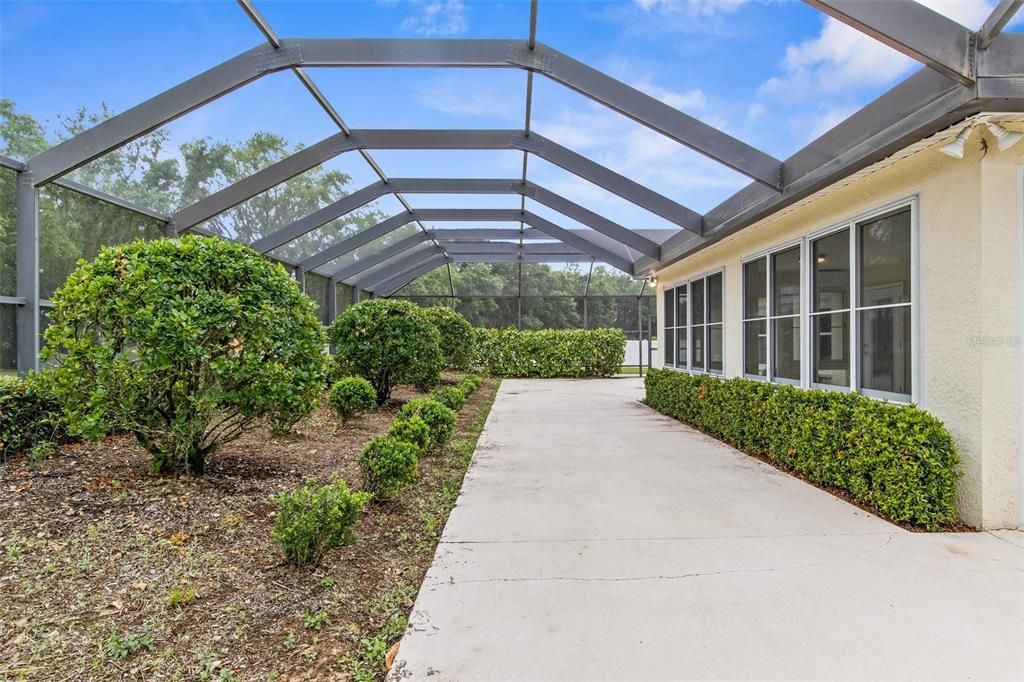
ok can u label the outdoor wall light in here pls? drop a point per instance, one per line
(1004, 138)
(956, 147)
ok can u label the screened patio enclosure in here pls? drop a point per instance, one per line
(509, 249)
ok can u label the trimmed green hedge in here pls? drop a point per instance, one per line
(897, 459)
(30, 415)
(550, 353)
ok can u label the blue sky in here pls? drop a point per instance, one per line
(772, 73)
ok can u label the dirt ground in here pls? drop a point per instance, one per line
(110, 573)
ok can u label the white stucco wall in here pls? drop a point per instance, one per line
(969, 303)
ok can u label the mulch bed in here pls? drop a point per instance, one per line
(107, 572)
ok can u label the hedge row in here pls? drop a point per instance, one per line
(549, 353)
(897, 459)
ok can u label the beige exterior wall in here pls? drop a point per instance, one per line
(968, 301)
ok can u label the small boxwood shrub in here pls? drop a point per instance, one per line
(30, 415)
(470, 384)
(388, 465)
(451, 397)
(315, 519)
(439, 419)
(897, 459)
(457, 338)
(388, 342)
(549, 352)
(185, 343)
(412, 430)
(352, 395)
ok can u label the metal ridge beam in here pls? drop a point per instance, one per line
(997, 20)
(388, 287)
(367, 194)
(455, 139)
(362, 264)
(396, 266)
(486, 247)
(581, 243)
(922, 105)
(912, 29)
(262, 180)
(341, 52)
(519, 258)
(360, 238)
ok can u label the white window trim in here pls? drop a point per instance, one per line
(806, 333)
(689, 324)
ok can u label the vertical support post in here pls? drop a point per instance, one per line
(332, 300)
(300, 277)
(519, 312)
(356, 294)
(586, 321)
(27, 272)
(640, 335)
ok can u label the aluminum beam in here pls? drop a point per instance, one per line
(361, 238)
(367, 194)
(516, 258)
(388, 287)
(923, 104)
(321, 217)
(262, 180)
(912, 29)
(340, 143)
(352, 269)
(477, 233)
(543, 148)
(485, 248)
(252, 64)
(396, 266)
(581, 243)
(26, 198)
(997, 20)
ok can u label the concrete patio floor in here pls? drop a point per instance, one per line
(598, 540)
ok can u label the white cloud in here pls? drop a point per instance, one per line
(692, 8)
(840, 57)
(437, 18)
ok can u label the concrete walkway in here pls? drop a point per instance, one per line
(597, 540)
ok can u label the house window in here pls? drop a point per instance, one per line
(830, 309)
(884, 304)
(694, 325)
(772, 316)
(858, 319)
(755, 317)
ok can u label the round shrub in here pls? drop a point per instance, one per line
(470, 384)
(315, 519)
(457, 336)
(352, 395)
(186, 343)
(388, 342)
(30, 415)
(451, 397)
(388, 465)
(439, 419)
(412, 430)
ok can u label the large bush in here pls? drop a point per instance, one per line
(457, 338)
(550, 353)
(30, 415)
(897, 459)
(185, 343)
(439, 419)
(350, 396)
(388, 342)
(388, 465)
(315, 519)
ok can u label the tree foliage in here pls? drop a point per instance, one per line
(388, 342)
(185, 343)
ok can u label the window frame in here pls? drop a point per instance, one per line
(688, 327)
(805, 243)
